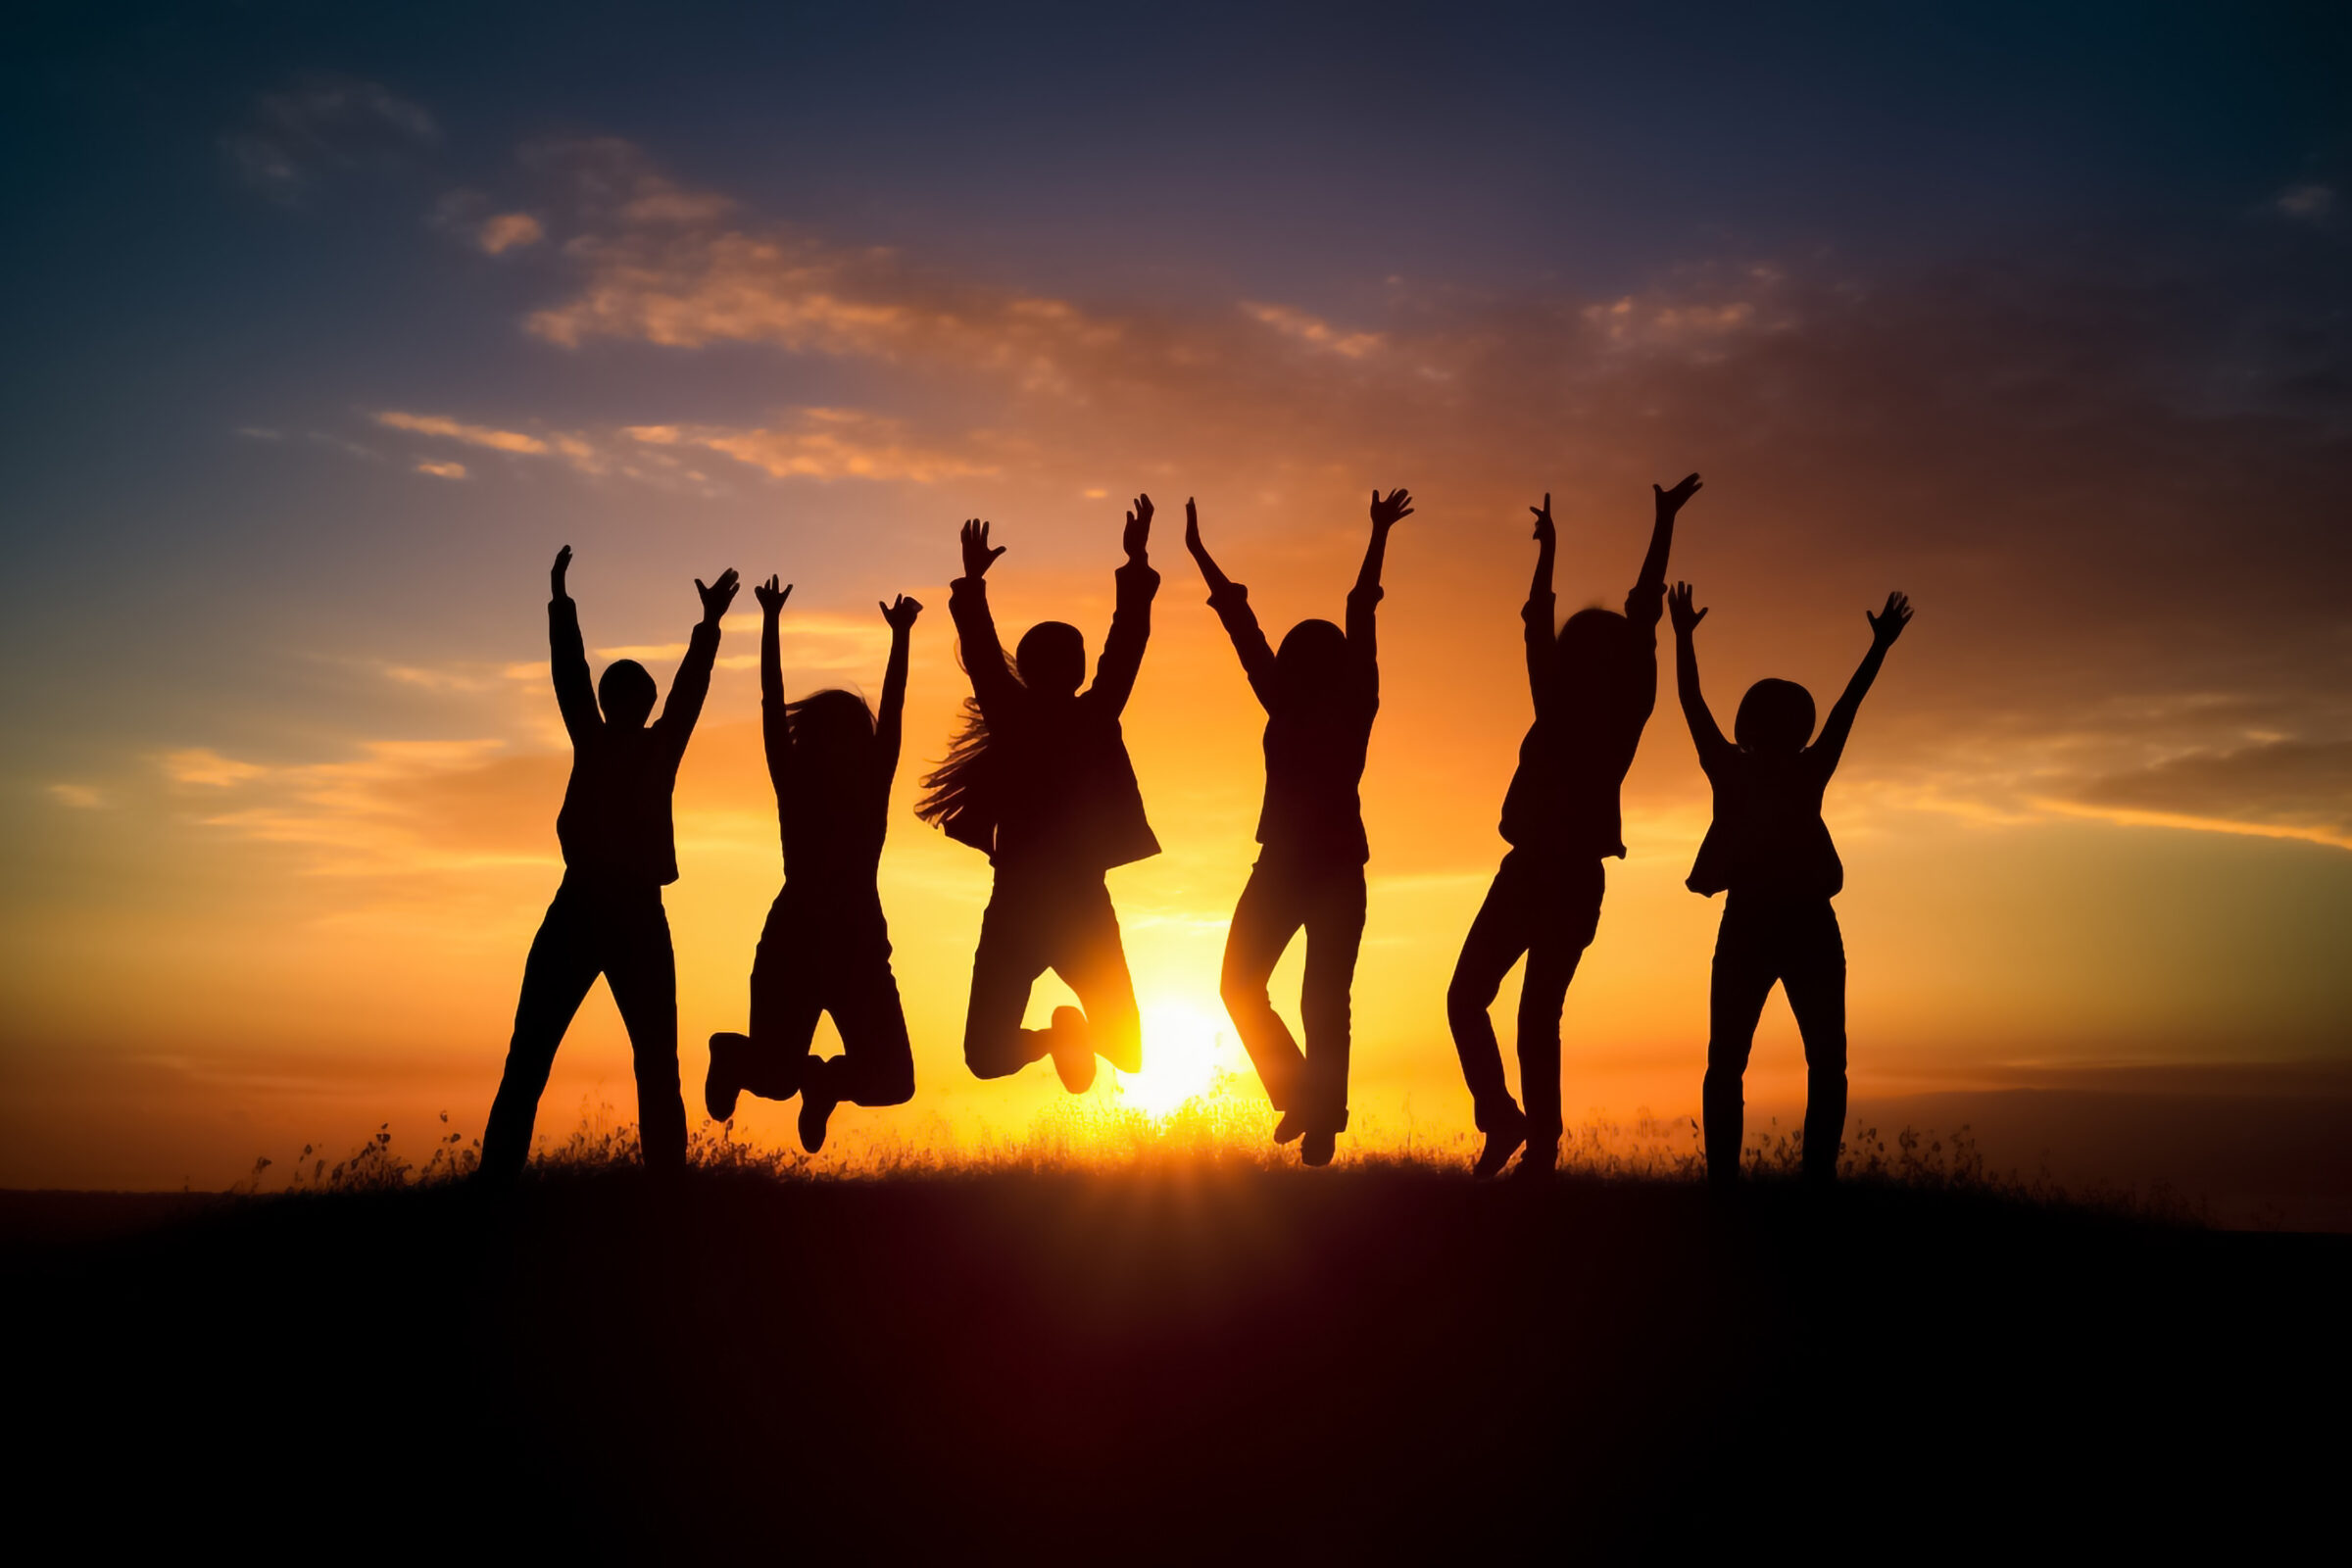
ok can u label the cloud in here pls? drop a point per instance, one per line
(443, 470)
(209, 769)
(2310, 201)
(2298, 787)
(510, 231)
(1314, 330)
(823, 444)
(479, 435)
(81, 797)
(323, 125)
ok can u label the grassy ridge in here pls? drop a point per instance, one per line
(1180, 1359)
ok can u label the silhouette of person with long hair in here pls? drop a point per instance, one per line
(1769, 848)
(1039, 779)
(1594, 685)
(825, 946)
(1320, 693)
(620, 850)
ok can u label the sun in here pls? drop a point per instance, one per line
(1184, 1046)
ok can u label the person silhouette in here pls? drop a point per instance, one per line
(826, 946)
(1039, 780)
(1593, 686)
(1320, 693)
(620, 850)
(1770, 851)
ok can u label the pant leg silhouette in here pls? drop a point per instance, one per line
(1335, 937)
(1813, 974)
(787, 974)
(1796, 944)
(1548, 908)
(1029, 928)
(876, 1064)
(1267, 915)
(623, 935)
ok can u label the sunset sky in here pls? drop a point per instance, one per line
(327, 326)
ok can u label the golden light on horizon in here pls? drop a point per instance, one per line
(1186, 1046)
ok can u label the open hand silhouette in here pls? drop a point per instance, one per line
(1888, 623)
(977, 555)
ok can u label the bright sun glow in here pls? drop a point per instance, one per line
(1183, 1046)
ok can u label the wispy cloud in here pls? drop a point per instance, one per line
(323, 123)
(2310, 201)
(206, 768)
(1314, 330)
(79, 796)
(443, 470)
(507, 231)
(823, 444)
(478, 435)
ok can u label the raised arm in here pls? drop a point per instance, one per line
(567, 656)
(887, 722)
(1363, 600)
(692, 683)
(993, 685)
(1712, 747)
(1231, 601)
(775, 725)
(1642, 605)
(1131, 618)
(1542, 654)
(1885, 627)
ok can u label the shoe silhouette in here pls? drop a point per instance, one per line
(723, 1085)
(1502, 1142)
(1039, 780)
(817, 1102)
(1537, 1163)
(1317, 1147)
(1072, 1051)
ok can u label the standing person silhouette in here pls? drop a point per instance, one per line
(1039, 780)
(620, 850)
(825, 946)
(1769, 848)
(1593, 686)
(1320, 693)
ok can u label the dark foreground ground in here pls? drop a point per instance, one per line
(1163, 1364)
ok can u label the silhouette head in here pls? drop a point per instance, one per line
(625, 693)
(1775, 716)
(1051, 657)
(1308, 664)
(1596, 649)
(831, 727)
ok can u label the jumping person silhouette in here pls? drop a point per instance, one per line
(825, 946)
(1039, 779)
(619, 853)
(1769, 849)
(1320, 694)
(1593, 686)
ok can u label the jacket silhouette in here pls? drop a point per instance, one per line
(1593, 686)
(1321, 693)
(825, 946)
(620, 852)
(1769, 848)
(1041, 781)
